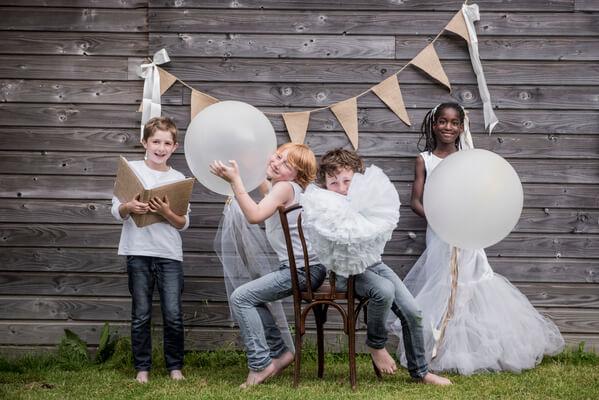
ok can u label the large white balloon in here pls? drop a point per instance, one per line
(473, 199)
(230, 130)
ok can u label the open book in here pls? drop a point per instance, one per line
(128, 185)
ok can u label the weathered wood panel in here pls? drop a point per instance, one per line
(387, 5)
(67, 260)
(201, 239)
(360, 46)
(63, 67)
(371, 71)
(197, 338)
(370, 120)
(213, 290)
(389, 144)
(366, 22)
(84, 188)
(214, 314)
(73, 19)
(98, 164)
(208, 215)
(68, 100)
(74, 43)
(81, 3)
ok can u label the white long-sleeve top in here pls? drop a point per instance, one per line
(157, 240)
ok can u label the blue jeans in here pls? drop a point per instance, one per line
(386, 291)
(260, 334)
(167, 274)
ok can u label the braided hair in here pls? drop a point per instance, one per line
(426, 129)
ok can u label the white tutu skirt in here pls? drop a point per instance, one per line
(493, 328)
(349, 233)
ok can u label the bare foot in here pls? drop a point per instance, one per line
(256, 378)
(282, 362)
(143, 377)
(177, 375)
(432, 379)
(383, 360)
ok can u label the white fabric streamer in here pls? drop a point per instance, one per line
(245, 254)
(151, 95)
(471, 14)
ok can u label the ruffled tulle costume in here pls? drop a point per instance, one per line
(349, 233)
(474, 319)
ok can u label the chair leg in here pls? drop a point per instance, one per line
(298, 357)
(351, 337)
(320, 317)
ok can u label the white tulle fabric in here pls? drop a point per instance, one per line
(349, 233)
(245, 254)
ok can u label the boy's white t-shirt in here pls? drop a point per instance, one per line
(157, 240)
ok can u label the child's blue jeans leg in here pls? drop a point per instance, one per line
(169, 279)
(380, 292)
(410, 315)
(261, 336)
(141, 286)
(144, 273)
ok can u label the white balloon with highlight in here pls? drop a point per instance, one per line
(229, 130)
(473, 199)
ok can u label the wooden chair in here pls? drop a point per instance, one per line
(319, 301)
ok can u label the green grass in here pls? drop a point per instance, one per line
(216, 375)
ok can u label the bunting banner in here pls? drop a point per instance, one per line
(428, 61)
(157, 82)
(199, 101)
(151, 95)
(388, 91)
(458, 26)
(297, 125)
(347, 115)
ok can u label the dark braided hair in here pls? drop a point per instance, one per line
(426, 129)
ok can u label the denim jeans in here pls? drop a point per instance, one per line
(167, 274)
(386, 291)
(260, 334)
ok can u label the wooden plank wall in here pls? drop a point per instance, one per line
(69, 95)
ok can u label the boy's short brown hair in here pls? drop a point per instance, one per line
(160, 123)
(337, 159)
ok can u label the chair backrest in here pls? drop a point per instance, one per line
(284, 213)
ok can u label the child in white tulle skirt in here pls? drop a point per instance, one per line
(474, 320)
(349, 225)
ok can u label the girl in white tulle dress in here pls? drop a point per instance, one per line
(474, 319)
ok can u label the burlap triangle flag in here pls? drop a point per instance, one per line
(297, 125)
(428, 61)
(458, 26)
(347, 114)
(389, 92)
(199, 101)
(166, 81)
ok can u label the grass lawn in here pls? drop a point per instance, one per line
(216, 375)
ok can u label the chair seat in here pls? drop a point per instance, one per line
(324, 292)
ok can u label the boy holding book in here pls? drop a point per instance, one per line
(154, 252)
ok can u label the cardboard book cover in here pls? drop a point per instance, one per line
(128, 185)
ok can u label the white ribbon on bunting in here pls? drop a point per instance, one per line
(151, 97)
(466, 141)
(471, 14)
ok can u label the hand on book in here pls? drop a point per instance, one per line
(137, 207)
(160, 206)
